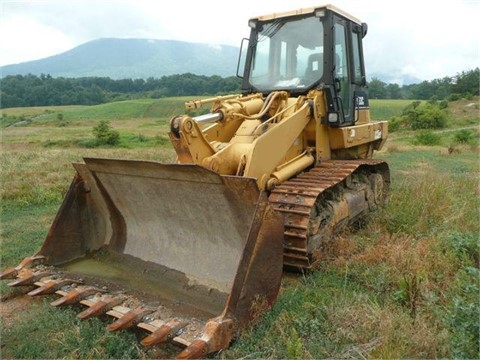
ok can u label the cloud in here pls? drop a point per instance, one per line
(427, 39)
(28, 43)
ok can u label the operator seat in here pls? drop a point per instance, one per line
(314, 68)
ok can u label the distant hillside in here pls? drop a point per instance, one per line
(144, 58)
(133, 58)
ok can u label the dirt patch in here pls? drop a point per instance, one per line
(13, 308)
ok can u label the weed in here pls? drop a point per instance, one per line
(465, 246)
(463, 312)
(408, 293)
(294, 346)
(463, 304)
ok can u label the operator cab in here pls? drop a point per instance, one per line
(307, 49)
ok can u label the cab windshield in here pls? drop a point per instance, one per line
(288, 54)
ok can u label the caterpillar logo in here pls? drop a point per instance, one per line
(361, 99)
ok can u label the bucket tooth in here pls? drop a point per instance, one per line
(129, 319)
(217, 335)
(50, 287)
(101, 306)
(30, 279)
(75, 295)
(164, 332)
(28, 262)
(196, 350)
(9, 273)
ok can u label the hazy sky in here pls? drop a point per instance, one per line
(422, 38)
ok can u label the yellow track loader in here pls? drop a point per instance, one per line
(194, 251)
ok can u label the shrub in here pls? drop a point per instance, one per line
(396, 123)
(105, 134)
(428, 117)
(433, 100)
(427, 137)
(431, 115)
(464, 136)
(454, 97)
(443, 104)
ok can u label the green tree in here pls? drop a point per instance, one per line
(377, 89)
(394, 91)
(105, 134)
(468, 82)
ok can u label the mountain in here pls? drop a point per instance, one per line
(133, 58)
(144, 58)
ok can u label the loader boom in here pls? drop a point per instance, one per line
(304, 100)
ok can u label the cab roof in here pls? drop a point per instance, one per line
(306, 11)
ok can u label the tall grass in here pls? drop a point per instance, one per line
(403, 285)
(41, 176)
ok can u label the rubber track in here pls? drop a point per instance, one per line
(295, 199)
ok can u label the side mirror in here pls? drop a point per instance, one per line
(363, 81)
(364, 29)
(242, 58)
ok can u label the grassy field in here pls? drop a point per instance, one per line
(385, 109)
(404, 285)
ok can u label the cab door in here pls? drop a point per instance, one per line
(349, 70)
(342, 73)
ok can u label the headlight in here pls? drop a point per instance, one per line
(333, 117)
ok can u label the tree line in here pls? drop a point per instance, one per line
(463, 84)
(44, 90)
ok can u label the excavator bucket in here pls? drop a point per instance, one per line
(188, 255)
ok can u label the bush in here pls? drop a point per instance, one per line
(443, 104)
(428, 138)
(415, 116)
(396, 123)
(428, 117)
(105, 134)
(464, 136)
(454, 97)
